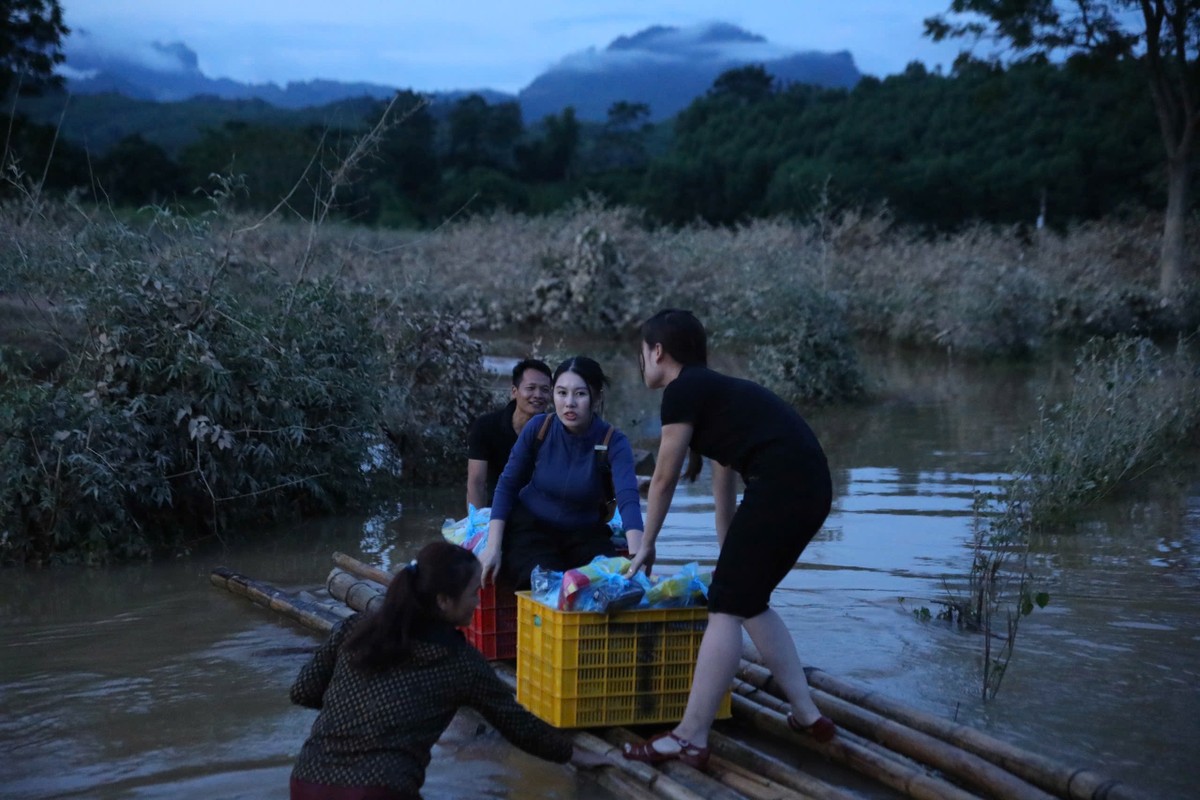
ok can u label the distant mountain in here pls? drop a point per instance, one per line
(666, 68)
(171, 72)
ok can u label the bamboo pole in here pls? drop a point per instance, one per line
(359, 594)
(1043, 772)
(356, 567)
(308, 614)
(748, 783)
(773, 703)
(760, 763)
(955, 762)
(855, 753)
(622, 785)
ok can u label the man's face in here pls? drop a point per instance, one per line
(532, 393)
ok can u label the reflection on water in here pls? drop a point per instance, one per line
(147, 682)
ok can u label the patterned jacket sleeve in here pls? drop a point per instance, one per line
(488, 694)
(309, 688)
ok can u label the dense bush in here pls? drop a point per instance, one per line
(435, 387)
(806, 354)
(1129, 407)
(201, 392)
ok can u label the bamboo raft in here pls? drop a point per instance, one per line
(898, 750)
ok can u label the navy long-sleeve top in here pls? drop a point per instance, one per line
(564, 486)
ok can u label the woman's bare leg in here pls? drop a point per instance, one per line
(774, 642)
(716, 664)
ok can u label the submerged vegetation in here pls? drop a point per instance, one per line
(1129, 407)
(185, 390)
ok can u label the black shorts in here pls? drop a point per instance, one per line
(529, 542)
(777, 518)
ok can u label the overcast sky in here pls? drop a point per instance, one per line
(469, 44)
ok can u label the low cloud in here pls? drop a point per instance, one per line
(88, 52)
(706, 42)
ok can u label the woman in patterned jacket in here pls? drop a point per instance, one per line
(387, 684)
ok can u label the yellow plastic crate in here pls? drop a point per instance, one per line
(580, 669)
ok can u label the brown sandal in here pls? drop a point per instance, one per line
(823, 730)
(688, 753)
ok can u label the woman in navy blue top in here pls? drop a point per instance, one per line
(548, 506)
(743, 429)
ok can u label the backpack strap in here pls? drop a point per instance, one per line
(537, 445)
(604, 462)
(604, 445)
(541, 434)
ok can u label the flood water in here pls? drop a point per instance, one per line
(146, 681)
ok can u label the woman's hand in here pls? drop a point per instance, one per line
(489, 560)
(586, 759)
(642, 559)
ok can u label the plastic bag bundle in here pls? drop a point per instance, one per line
(688, 586)
(617, 593)
(602, 586)
(578, 585)
(545, 585)
(471, 531)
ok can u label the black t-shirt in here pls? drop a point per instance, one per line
(740, 424)
(491, 439)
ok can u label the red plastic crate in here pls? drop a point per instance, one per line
(493, 628)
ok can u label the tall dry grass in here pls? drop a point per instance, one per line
(983, 289)
(795, 295)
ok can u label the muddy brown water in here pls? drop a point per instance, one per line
(145, 681)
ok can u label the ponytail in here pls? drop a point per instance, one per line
(384, 638)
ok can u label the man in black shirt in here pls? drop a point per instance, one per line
(493, 435)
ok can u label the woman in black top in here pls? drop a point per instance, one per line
(744, 429)
(388, 683)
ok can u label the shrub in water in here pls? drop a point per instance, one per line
(184, 411)
(200, 394)
(1130, 405)
(808, 356)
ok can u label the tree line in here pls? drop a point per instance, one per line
(1072, 142)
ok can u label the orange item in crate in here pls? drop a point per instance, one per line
(493, 628)
(581, 669)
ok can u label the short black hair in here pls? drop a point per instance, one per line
(518, 371)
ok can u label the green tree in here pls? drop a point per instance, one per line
(1162, 35)
(406, 163)
(747, 84)
(31, 32)
(136, 172)
(621, 142)
(277, 165)
(35, 159)
(482, 135)
(551, 157)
